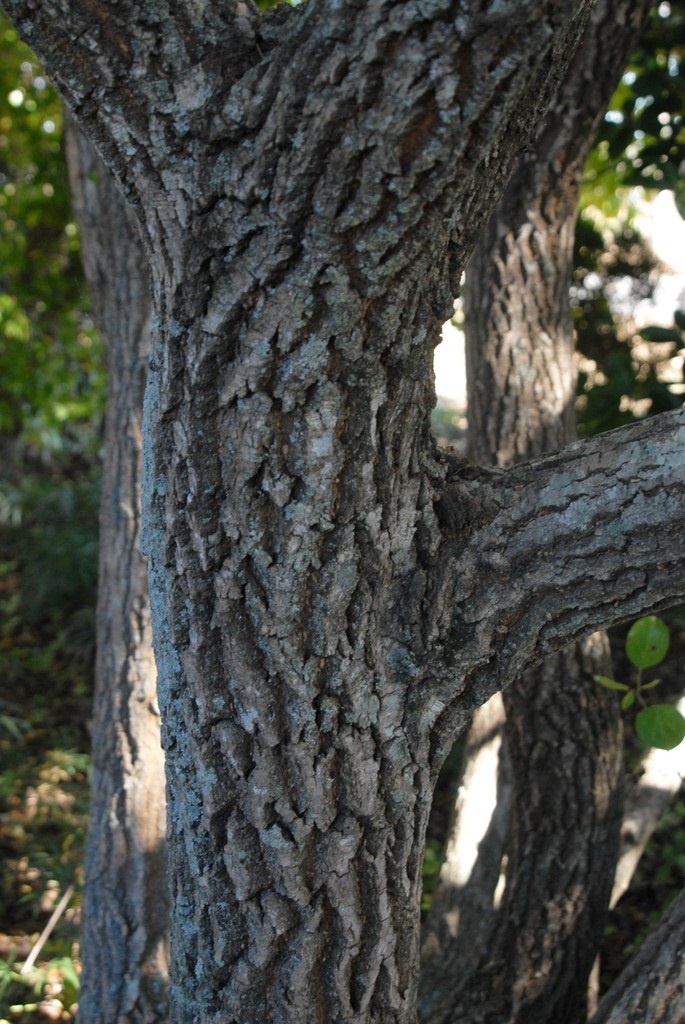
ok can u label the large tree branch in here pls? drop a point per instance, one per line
(550, 550)
(151, 42)
(396, 124)
(369, 118)
(135, 72)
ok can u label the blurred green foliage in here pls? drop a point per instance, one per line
(627, 379)
(52, 386)
(628, 372)
(48, 558)
(48, 991)
(48, 571)
(642, 142)
(51, 363)
(430, 872)
(48, 567)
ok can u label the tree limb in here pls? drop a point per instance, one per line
(123, 68)
(650, 989)
(419, 108)
(578, 540)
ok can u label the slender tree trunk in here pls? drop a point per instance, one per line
(125, 929)
(521, 377)
(460, 917)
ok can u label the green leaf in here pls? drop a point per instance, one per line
(661, 726)
(647, 641)
(650, 685)
(628, 700)
(661, 334)
(611, 684)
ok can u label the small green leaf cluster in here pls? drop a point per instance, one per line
(54, 986)
(659, 725)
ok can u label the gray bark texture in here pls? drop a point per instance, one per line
(331, 595)
(652, 987)
(125, 911)
(561, 735)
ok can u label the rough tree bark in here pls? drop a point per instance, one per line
(562, 736)
(652, 985)
(125, 925)
(332, 597)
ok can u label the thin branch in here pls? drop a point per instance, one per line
(47, 931)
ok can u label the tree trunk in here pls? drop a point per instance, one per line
(469, 886)
(533, 961)
(537, 946)
(125, 928)
(332, 596)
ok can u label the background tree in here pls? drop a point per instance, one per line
(293, 486)
(520, 357)
(50, 419)
(125, 925)
(640, 145)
